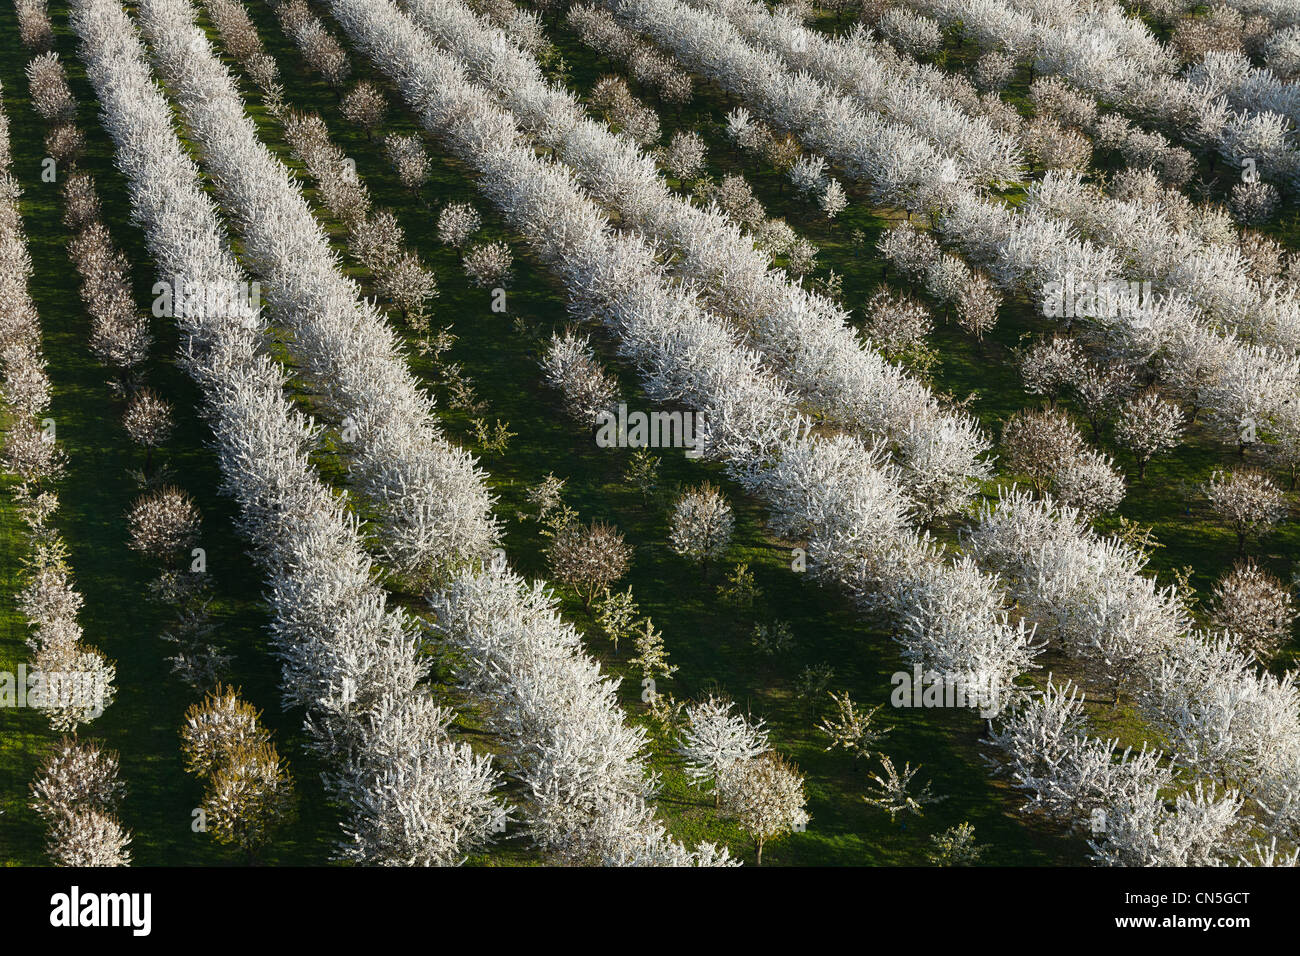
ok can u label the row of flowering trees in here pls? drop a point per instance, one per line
(801, 334)
(837, 492)
(1232, 731)
(943, 108)
(375, 240)
(1127, 597)
(559, 718)
(248, 791)
(433, 510)
(575, 792)
(985, 153)
(834, 492)
(646, 65)
(1239, 110)
(1197, 258)
(76, 792)
(412, 794)
(1025, 252)
(1122, 596)
(35, 462)
(1279, 12)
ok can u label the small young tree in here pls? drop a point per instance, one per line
(78, 774)
(651, 660)
(977, 304)
(801, 258)
(35, 30)
(47, 84)
(891, 791)
(833, 199)
(1148, 426)
(685, 155)
(782, 152)
(218, 725)
(1255, 607)
(765, 796)
(1037, 441)
(898, 325)
(571, 366)
(1254, 203)
(264, 71)
(1090, 482)
(163, 524)
(588, 559)
(488, 264)
(76, 793)
(377, 240)
(324, 53)
(248, 796)
(643, 473)
(955, 846)
(1247, 500)
(31, 453)
(702, 523)
(89, 837)
(1100, 391)
(738, 201)
(409, 159)
(547, 496)
(851, 729)
(149, 422)
(365, 105)
(1050, 365)
(410, 286)
(456, 223)
(993, 70)
(65, 143)
(81, 205)
(772, 638)
(738, 590)
(616, 614)
(812, 685)
(714, 737)
(248, 788)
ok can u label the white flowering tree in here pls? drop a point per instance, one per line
(701, 525)
(715, 735)
(1254, 606)
(1247, 500)
(765, 796)
(1148, 426)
